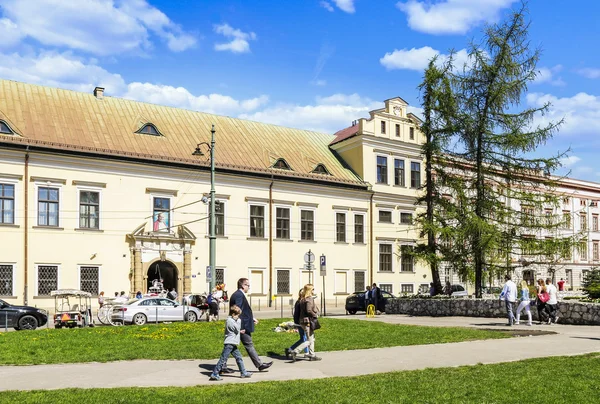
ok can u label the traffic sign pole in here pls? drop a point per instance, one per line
(323, 270)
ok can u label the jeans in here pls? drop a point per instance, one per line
(509, 311)
(301, 340)
(246, 339)
(524, 305)
(551, 310)
(542, 313)
(308, 343)
(227, 350)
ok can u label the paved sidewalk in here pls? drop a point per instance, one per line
(568, 340)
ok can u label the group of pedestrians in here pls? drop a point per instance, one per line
(373, 296)
(546, 301)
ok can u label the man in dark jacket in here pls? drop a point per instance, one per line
(376, 297)
(238, 298)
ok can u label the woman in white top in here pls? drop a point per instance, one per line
(524, 303)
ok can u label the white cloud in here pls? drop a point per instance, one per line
(451, 16)
(590, 73)
(581, 112)
(101, 27)
(9, 33)
(569, 161)
(239, 42)
(326, 6)
(418, 58)
(548, 75)
(346, 6)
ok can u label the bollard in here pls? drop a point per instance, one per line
(6, 321)
(281, 304)
(250, 301)
(156, 318)
(258, 304)
(275, 303)
(336, 301)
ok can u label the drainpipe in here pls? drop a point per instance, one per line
(26, 227)
(271, 242)
(371, 237)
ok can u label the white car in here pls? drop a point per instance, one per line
(154, 309)
(459, 291)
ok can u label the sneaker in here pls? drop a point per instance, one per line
(226, 370)
(556, 320)
(246, 375)
(287, 353)
(549, 321)
(516, 323)
(314, 358)
(215, 378)
(530, 324)
(293, 354)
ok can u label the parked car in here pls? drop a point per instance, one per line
(146, 310)
(21, 317)
(356, 301)
(458, 291)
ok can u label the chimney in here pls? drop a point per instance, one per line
(99, 92)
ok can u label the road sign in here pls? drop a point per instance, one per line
(309, 257)
(208, 273)
(323, 263)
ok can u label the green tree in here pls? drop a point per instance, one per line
(591, 284)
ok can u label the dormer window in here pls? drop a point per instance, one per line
(281, 164)
(320, 169)
(5, 129)
(149, 129)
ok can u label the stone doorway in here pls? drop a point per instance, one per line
(162, 270)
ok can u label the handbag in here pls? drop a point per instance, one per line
(314, 323)
(544, 297)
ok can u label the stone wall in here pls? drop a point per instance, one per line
(569, 312)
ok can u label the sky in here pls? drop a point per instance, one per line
(310, 64)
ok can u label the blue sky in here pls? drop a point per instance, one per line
(312, 64)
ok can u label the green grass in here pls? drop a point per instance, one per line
(205, 340)
(571, 379)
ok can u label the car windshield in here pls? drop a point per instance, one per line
(3, 303)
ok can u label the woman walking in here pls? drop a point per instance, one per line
(540, 302)
(309, 313)
(299, 327)
(524, 303)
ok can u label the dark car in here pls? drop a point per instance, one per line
(21, 317)
(356, 301)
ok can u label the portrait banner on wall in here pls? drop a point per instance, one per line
(161, 221)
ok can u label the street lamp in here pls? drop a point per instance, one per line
(212, 253)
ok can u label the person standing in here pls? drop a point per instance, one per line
(448, 289)
(431, 289)
(509, 295)
(524, 303)
(561, 285)
(376, 297)
(541, 305)
(309, 313)
(368, 299)
(238, 298)
(230, 345)
(101, 299)
(551, 304)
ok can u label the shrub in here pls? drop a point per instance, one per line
(591, 284)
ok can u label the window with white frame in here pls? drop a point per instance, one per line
(406, 259)
(307, 225)
(595, 222)
(6, 279)
(89, 279)
(48, 206)
(7, 203)
(386, 287)
(385, 257)
(161, 214)
(257, 281)
(385, 216)
(283, 281)
(583, 221)
(282, 223)
(407, 288)
(340, 227)
(257, 221)
(219, 276)
(359, 228)
(381, 170)
(341, 282)
(412, 133)
(424, 288)
(89, 209)
(399, 172)
(359, 281)
(595, 251)
(47, 279)
(219, 218)
(415, 175)
(406, 218)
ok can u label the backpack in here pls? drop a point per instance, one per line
(210, 299)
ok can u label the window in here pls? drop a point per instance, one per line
(47, 206)
(381, 170)
(283, 281)
(89, 210)
(583, 253)
(566, 201)
(256, 281)
(257, 221)
(399, 172)
(341, 282)
(595, 251)
(566, 219)
(582, 202)
(283, 223)
(382, 127)
(220, 276)
(6, 280)
(548, 213)
(320, 169)
(47, 279)
(219, 218)
(385, 216)
(7, 204)
(528, 245)
(307, 225)
(5, 129)
(385, 257)
(149, 129)
(415, 175)
(89, 280)
(406, 218)
(595, 222)
(407, 289)
(359, 228)
(340, 227)
(397, 130)
(583, 221)
(412, 133)
(282, 165)
(359, 281)
(161, 214)
(386, 287)
(527, 215)
(406, 259)
(424, 288)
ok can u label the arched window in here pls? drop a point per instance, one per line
(5, 129)
(320, 169)
(149, 129)
(281, 164)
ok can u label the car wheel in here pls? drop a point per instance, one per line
(191, 317)
(352, 312)
(139, 319)
(28, 323)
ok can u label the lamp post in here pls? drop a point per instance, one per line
(212, 252)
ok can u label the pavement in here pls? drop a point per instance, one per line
(563, 340)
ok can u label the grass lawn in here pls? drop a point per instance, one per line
(205, 340)
(572, 379)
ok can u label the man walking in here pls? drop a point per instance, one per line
(552, 302)
(509, 295)
(238, 298)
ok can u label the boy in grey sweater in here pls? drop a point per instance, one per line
(232, 340)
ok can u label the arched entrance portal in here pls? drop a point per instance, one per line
(162, 270)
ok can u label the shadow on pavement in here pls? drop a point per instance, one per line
(592, 338)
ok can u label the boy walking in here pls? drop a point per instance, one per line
(233, 326)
